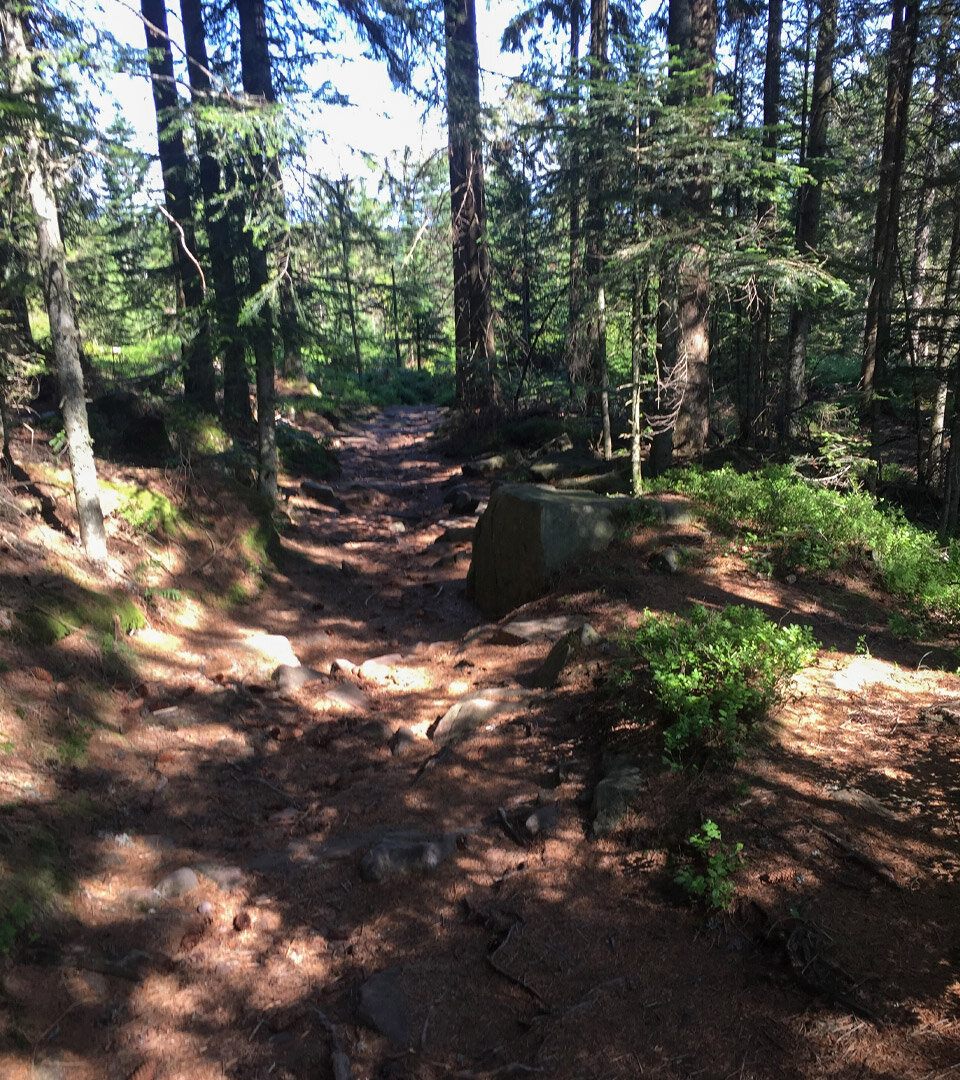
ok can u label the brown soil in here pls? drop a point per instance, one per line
(563, 955)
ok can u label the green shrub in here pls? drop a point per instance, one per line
(147, 511)
(716, 674)
(805, 526)
(59, 612)
(708, 877)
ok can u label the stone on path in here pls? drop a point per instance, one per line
(402, 741)
(475, 709)
(379, 668)
(347, 696)
(569, 646)
(289, 677)
(178, 884)
(550, 627)
(383, 1006)
(622, 782)
(404, 852)
(270, 649)
(325, 494)
(527, 533)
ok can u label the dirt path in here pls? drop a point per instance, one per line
(297, 882)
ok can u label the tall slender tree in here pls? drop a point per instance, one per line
(683, 331)
(809, 214)
(198, 376)
(476, 355)
(883, 270)
(263, 181)
(222, 241)
(36, 165)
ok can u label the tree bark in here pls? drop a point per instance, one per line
(199, 382)
(683, 339)
(575, 359)
(64, 334)
(809, 214)
(876, 337)
(258, 83)
(220, 233)
(475, 341)
(596, 224)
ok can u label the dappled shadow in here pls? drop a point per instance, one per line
(559, 954)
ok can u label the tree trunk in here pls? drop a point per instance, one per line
(258, 83)
(341, 196)
(757, 359)
(199, 382)
(220, 233)
(473, 309)
(683, 346)
(596, 224)
(876, 337)
(64, 334)
(809, 214)
(947, 350)
(575, 359)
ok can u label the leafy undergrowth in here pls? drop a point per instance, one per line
(790, 525)
(716, 675)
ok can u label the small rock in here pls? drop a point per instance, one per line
(205, 908)
(347, 667)
(621, 784)
(377, 731)
(383, 1006)
(475, 709)
(402, 741)
(348, 696)
(665, 562)
(404, 852)
(380, 667)
(179, 883)
(289, 677)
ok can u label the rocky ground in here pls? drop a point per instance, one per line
(348, 828)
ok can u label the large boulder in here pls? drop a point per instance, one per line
(527, 533)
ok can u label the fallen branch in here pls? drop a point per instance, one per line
(883, 872)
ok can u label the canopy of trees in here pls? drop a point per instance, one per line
(717, 224)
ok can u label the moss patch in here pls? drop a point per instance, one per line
(65, 607)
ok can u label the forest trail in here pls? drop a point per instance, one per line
(291, 879)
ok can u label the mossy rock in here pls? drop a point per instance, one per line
(56, 615)
(143, 510)
(301, 452)
(194, 432)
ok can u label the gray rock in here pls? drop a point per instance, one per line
(475, 709)
(529, 532)
(665, 562)
(401, 853)
(323, 493)
(179, 883)
(486, 465)
(377, 731)
(348, 696)
(613, 796)
(383, 1006)
(289, 678)
(380, 667)
(569, 646)
(457, 534)
(402, 741)
(461, 501)
(550, 627)
(227, 877)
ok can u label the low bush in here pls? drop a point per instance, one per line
(708, 877)
(804, 526)
(716, 674)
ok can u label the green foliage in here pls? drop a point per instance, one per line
(805, 526)
(716, 674)
(708, 877)
(304, 453)
(13, 920)
(72, 606)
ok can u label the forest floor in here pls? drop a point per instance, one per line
(203, 829)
